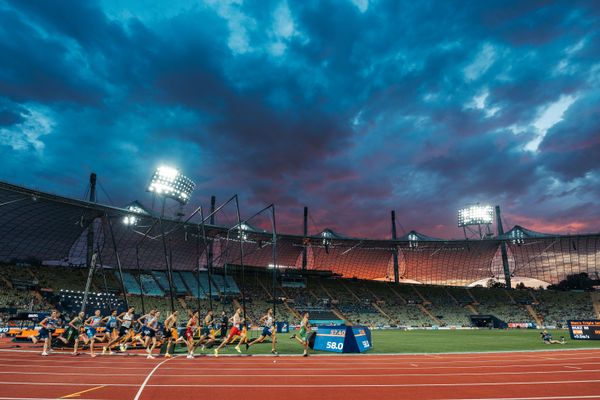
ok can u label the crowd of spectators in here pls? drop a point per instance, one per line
(361, 302)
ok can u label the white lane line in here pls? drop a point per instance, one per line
(139, 393)
(579, 371)
(306, 385)
(596, 396)
(208, 367)
(470, 398)
(304, 363)
(297, 360)
(496, 354)
(37, 398)
(570, 366)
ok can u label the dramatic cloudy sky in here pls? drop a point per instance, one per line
(351, 107)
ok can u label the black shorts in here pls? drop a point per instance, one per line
(167, 333)
(151, 333)
(123, 331)
(205, 331)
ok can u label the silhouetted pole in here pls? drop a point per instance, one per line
(395, 250)
(505, 265)
(305, 232)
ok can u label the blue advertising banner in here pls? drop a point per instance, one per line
(282, 327)
(330, 338)
(362, 336)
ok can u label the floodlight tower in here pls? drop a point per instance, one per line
(169, 183)
(476, 221)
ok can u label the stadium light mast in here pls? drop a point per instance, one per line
(170, 183)
(503, 252)
(476, 221)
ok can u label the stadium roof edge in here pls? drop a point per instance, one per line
(421, 237)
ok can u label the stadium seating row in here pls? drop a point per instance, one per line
(365, 302)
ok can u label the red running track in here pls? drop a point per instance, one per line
(542, 375)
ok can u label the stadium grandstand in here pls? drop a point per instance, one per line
(48, 244)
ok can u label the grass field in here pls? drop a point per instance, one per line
(441, 341)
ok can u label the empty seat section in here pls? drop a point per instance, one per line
(131, 284)
(149, 286)
(191, 281)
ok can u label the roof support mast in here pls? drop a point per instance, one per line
(503, 252)
(90, 256)
(395, 250)
(90, 232)
(305, 232)
(209, 268)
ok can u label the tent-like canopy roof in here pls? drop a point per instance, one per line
(39, 227)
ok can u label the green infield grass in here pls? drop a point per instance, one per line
(433, 341)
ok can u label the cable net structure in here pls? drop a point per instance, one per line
(41, 228)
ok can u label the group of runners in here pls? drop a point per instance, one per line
(124, 330)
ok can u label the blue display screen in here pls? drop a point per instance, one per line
(330, 338)
(363, 341)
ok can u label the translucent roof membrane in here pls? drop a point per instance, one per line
(38, 227)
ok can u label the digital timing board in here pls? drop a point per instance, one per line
(584, 329)
(343, 339)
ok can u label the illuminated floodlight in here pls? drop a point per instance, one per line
(327, 237)
(517, 236)
(243, 228)
(169, 182)
(130, 220)
(413, 241)
(475, 215)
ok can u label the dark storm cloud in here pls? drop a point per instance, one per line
(417, 106)
(38, 68)
(572, 147)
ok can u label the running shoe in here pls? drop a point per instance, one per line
(237, 348)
